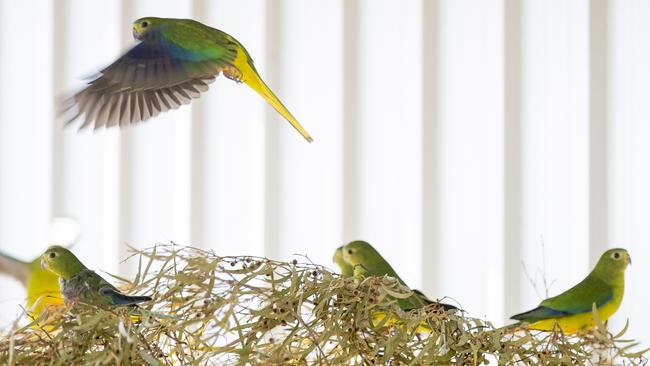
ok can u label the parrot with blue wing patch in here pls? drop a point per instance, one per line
(80, 284)
(366, 261)
(173, 63)
(572, 310)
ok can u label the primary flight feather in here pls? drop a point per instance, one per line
(172, 64)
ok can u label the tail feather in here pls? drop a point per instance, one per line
(118, 298)
(14, 268)
(250, 76)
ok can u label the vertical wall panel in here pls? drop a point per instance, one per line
(598, 140)
(554, 145)
(470, 142)
(430, 206)
(512, 158)
(85, 185)
(26, 115)
(350, 118)
(389, 131)
(25, 128)
(158, 168)
(272, 163)
(228, 186)
(310, 184)
(629, 159)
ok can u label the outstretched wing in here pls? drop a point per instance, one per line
(167, 69)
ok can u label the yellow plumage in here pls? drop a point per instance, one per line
(249, 75)
(43, 292)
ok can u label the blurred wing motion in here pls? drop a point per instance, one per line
(169, 67)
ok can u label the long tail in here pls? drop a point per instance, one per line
(118, 298)
(250, 76)
(14, 268)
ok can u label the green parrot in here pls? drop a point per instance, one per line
(42, 286)
(172, 64)
(572, 310)
(346, 269)
(367, 261)
(80, 284)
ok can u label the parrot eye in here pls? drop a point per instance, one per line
(616, 255)
(52, 255)
(144, 24)
(349, 251)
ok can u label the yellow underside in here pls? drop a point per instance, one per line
(43, 293)
(578, 322)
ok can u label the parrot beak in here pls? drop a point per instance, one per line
(43, 264)
(629, 259)
(136, 34)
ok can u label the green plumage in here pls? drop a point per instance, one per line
(80, 284)
(366, 261)
(572, 310)
(173, 63)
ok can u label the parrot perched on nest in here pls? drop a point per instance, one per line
(174, 62)
(572, 310)
(80, 284)
(366, 261)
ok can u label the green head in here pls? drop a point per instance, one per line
(359, 252)
(61, 262)
(147, 24)
(366, 261)
(346, 269)
(612, 263)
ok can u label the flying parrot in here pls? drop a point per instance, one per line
(172, 64)
(42, 286)
(572, 309)
(367, 261)
(80, 284)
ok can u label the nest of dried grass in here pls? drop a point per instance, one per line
(212, 310)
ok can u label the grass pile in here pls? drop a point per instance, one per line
(213, 310)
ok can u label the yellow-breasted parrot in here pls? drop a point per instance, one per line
(572, 310)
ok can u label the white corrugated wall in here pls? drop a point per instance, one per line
(463, 138)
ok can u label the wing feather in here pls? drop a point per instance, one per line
(158, 74)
